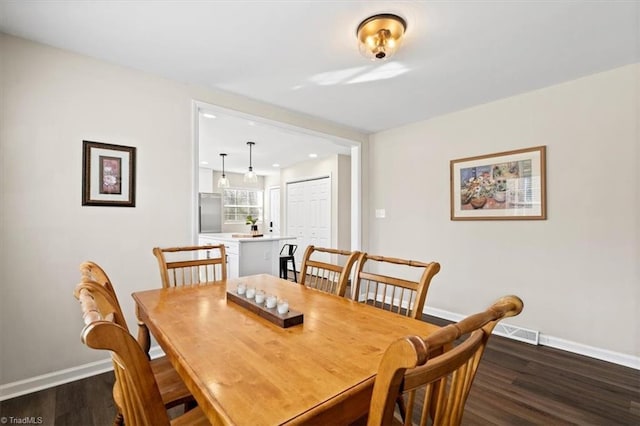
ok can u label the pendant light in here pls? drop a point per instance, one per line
(223, 182)
(250, 176)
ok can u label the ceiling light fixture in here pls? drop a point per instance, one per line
(250, 176)
(379, 36)
(223, 182)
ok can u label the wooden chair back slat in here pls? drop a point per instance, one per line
(196, 265)
(412, 364)
(323, 265)
(325, 276)
(395, 294)
(96, 278)
(392, 281)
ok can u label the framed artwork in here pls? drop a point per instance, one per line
(108, 175)
(503, 186)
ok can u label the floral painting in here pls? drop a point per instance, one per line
(110, 175)
(508, 185)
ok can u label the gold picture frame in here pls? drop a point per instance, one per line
(508, 185)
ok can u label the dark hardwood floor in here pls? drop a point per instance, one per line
(522, 384)
(516, 384)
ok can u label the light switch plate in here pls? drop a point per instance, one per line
(380, 213)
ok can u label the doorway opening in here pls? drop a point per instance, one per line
(245, 127)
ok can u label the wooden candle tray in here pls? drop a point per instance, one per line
(289, 319)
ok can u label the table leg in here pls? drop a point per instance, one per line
(143, 334)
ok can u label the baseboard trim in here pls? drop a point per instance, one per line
(44, 381)
(591, 351)
(441, 313)
(49, 380)
(558, 343)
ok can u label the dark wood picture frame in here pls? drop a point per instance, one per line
(508, 185)
(108, 175)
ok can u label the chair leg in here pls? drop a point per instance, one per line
(295, 274)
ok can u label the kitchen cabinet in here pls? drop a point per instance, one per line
(248, 255)
(205, 180)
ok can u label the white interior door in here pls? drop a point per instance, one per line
(309, 214)
(319, 226)
(295, 218)
(274, 209)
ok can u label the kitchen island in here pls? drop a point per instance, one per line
(247, 255)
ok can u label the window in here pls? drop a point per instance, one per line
(240, 203)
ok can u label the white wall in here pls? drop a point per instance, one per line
(344, 202)
(50, 101)
(577, 272)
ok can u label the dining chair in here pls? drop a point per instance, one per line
(435, 384)
(191, 265)
(287, 254)
(172, 389)
(137, 389)
(380, 282)
(329, 270)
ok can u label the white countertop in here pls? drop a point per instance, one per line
(230, 238)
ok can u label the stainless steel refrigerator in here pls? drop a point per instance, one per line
(210, 212)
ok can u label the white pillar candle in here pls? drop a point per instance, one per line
(271, 301)
(283, 307)
(251, 292)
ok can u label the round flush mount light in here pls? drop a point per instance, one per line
(379, 36)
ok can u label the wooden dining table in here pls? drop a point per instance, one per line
(245, 370)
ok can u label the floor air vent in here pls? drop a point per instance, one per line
(517, 333)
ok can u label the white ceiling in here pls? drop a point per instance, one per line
(302, 55)
(274, 143)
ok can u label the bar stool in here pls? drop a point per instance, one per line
(289, 250)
